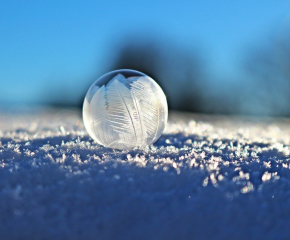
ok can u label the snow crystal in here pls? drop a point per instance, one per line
(207, 177)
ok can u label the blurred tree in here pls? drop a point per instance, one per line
(177, 71)
(268, 85)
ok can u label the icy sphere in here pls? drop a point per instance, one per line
(125, 109)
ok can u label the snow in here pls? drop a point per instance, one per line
(207, 177)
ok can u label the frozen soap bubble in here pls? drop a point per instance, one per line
(125, 109)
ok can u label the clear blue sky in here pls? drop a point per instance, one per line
(48, 45)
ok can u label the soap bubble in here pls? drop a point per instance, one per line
(125, 109)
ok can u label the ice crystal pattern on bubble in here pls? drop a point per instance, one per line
(126, 113)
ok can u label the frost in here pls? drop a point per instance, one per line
(126, 113)
(203, 179)
(266, 176)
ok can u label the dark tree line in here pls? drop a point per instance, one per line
(261, 88)
(181, 72)
(177, 72)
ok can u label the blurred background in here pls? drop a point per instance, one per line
(224, 57)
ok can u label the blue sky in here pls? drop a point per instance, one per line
(50, 45)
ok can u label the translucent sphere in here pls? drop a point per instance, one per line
(125, 109)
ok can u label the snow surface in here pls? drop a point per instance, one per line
(207, 177)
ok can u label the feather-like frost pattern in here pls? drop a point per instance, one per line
(104, 134)
(122, 113)
(87, 116)
(149, 106)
